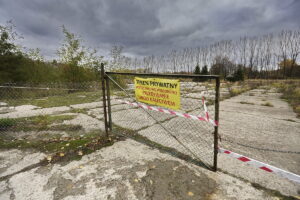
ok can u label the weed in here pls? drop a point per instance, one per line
(290, 120)
(291, 93)
(65, 127)
(58, 100)
(37, 123)
(210, 102)
(64, 149)
(267, 104)
(246, 102)
(79, 110)
(6, 123)
(236, 91)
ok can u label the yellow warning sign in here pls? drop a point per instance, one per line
(160, 92)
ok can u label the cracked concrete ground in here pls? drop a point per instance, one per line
(130, 170)
(275, 128)
(126, 170)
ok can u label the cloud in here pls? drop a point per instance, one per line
(146, 27)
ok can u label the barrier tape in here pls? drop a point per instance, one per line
(263, 166)
(171, 112)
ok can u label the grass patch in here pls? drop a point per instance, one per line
(38, 123)
(6, 123)
(79, 110)
(64, 148)
(65, 127)
(246, 102)
(236, 91)
(291, 93)
(267, 104)
(58, 100)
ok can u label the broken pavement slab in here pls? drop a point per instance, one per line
(87, 122)
(129, 169)
(13, 161)
(21, 111)
(263, 127)
(126, 170)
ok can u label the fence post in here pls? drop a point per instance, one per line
(108, 103)
(216, 148)
(104, 99)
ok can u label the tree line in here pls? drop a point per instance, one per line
(273, 55)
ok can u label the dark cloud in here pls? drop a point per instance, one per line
(146, 27)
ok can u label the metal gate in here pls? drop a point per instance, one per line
(190, 133)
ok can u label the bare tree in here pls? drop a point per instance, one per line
(294, 48)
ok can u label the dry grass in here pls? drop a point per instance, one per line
(267, 104)
(290, 92)
(246, 102)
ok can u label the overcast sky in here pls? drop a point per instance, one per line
(146, 27)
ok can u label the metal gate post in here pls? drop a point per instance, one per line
(216, 148)
(104, 99)
(108, 103)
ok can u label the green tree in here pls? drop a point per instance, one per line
(7, 39)
(10, 56)
(197, 72)
(204, 70)
(78, 63)
(239, 74)
(71, 52)
(35, 54)
(74, 52)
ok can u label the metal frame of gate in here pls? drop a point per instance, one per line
(107, 103)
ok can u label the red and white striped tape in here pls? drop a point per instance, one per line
(250, 161)
(171, 112)
(263, 166)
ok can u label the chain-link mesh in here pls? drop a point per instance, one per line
(34, 115)
(179, 134)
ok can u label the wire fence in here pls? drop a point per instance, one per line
(49, 116)
(48, 112)
(180, 132)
